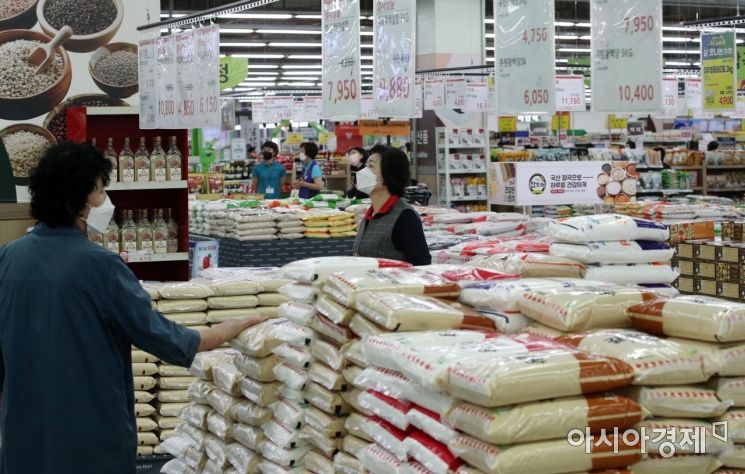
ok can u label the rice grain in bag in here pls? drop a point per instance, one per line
(398, 280)
(249, 436)
(181, 306)
(250, 413)
(692, 317)
(335, 312)
(387, 436)
(734, 458)
(540, 421)
(730, 390)
(271, 299)
(676, 434)
(299, 292)
(680, 401)
(431, 423)
(606, 227)
(546, 457)
(311, 269)
(394, 411)
(319, 462)
(378, 460)
(232, 302)
(655, 361)
(205, 361)
(325, 327)
(185, 290)
(624, 251)
(259, 369)
(227, 378)
(242, 459)
(283, 457)
(330, 426)
(329, 353)
(259, 340)
(364, 328)
(347, 464)
(576, 310)
(327, 446)
(326, 400)
(506, 295)
(735, 423)
(400, 312)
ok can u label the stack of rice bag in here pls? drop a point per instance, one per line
(145, 371)
(246, 225)
(324, 225)
(290, 225)
(615, 248)
(326, 201)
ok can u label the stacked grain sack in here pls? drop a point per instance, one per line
(247, 224)
(324, 225)
(145, 372)
(290, 225)
(615, 248)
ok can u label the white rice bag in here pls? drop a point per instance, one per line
(680, 401)
(185, 290)
(300, 292)
(394, 411)
(232, 302)
(606, 227)
(259, 369)
(311, 269)
(299, 313)
(432, 454)
(640, 251)
(335, 312)
(399, 312)
(632, 273)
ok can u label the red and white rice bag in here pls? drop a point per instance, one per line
(680, 401)
(430, 422)
(605, 227)
(633, 273)
(394, 411)
(378, 460)
(622, 251)
(387, 436)
(311, 269)
(730, 390)
(430, 453)
(735, 423)
(531, 265)
(298, 313)
(335, 312)
(203, 362)
(299, 292)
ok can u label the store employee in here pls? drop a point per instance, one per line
(269, 176)
(311, 178)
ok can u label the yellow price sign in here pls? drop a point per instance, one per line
(617, 122)
(323, 138)
(294, 138)
(561, 121)
(507, 124)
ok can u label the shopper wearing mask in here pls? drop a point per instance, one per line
(391, 227)
(269, 176)
(311, 178)
(357, 158)
(70, 312)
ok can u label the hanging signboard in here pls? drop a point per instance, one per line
(525, 57)
(278, 108)
(694, 95)
(166, 82)
(208, 74)
(146, 77)
(394, 56)
(570, 94)
(455, 93)
(341, 59)
(186, 87)
(477, 97)
(257, 112)
(311, 108)
(418, 99)
(232, 71)
(718, 70)
(367, 107)
(626, 55)
(434, 93)
(507, 124)
(670, 96)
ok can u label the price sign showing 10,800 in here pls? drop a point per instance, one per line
(346, 89)
(166, 107)
(396, 87)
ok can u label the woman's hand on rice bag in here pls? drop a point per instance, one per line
(219, 334)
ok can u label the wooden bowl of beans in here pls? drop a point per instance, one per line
(93, 22)
(114, 69)
(26, 144)
(17, 14)
(23, 93)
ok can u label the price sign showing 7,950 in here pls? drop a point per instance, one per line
(341, 90)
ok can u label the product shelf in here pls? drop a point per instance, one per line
(147, 185)
(665, 191)
(464, 172)
(139, 257)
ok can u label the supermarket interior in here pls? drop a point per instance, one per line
(372, 236)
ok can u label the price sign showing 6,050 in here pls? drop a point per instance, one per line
(341, 59)
(627, 55)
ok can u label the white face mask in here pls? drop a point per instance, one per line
(366, 180)
(303, 157)
(354, 159)
(99, 217)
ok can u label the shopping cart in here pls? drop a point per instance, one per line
(417, 195)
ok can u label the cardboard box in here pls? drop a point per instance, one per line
(732, 252)
(684, 250)
(728, 272)
(695, 230)
(728, 230)
(702, 286)
(685, 267)
(705, 270)
(685, 284)
(705, 251)
(738, 231)
(728, 290)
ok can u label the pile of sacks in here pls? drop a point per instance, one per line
(324, 225)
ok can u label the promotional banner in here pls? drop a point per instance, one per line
(340, 25)
(455, 93)
(186, 87)
(694, 95)
(418, 99)
(434, 93)
(394, 56)
(233, 71)
(257, 112)
(718, 57)
(626, 55)
(524, 56)
(570, 94)
(501, 178)
(208, 73)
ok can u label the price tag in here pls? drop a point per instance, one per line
(418, 99)
(294, 138)
(507, 124)
(477, 97)
(617, 123)
(367, 107)
(278, 108)
(323, 138)
(186, 90)
(257, 112)
(146, 76)
(238, 149)
(718, 63)
(341, 59)
(524, 56)
(670, 97)
(627, 55)
(455, 93)
(561, 121)
(434, 93)
(298, 114)
(394, 56)
(166, 79)
(694, 94)
(208, 74)
(570, 93)
(312, 108)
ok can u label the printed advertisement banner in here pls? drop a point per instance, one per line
(718, 70)
(340, 26)
(394, 56)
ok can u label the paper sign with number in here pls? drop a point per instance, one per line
(455, 93)
(312, 108)
(208, 73)
(694, 94)
(148, 93)
(367, 105)
(257, 112)
(626, 55)
(670, 97)
(278, 108)
(186, 87)
(524, 57)
(341, 59)
(394, 56)
(477, 97)
(570, 94)
(507, 124)
(166, 80)
(418, 99)
(718, 58)
(434, 93)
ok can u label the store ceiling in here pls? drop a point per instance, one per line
(283, 42)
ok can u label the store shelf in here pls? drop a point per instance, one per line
(726, 190)
(648, 168)
(461, 147)
(697, 188)
(464, 172)
(138, 257)
(687, 168)
(99, 111)
(665, 191)
(147, 185)
(466, 199)
(726, 167)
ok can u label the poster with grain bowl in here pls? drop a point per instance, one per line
(56, 54)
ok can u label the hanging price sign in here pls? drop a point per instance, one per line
(694, 94)
(341, 59)
(525, 55)
(312, 108)
(670, 96)
(627, 55)
(166, 79)
(570, 94)
(455, 93)
(294, 138)
(278, 108)
(208, 74)
(418, 99)
(434, 93)
(718, 57)
(477, 97)
(257, 112)
(367, 107)
(186, 87)
(394, 58)
(148, 61)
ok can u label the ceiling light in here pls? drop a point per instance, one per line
(369, 58)
(305, 56)
(574, 50)
(267, 78)
(567, 37)
(676, 39)
(490, 48)
(175, 15)
(259, 84)
(242, 45)
(236, 30)
(309, 17)
(367, 46)
(299, 78)
(289, 32)
(257, 16)
(302, 73)
(584, 25)
(263, 66)
(489, 60)
(562, 60)
(366, 33)
(302, 66)
(261, 73)
(295, 45)
(259, 56)
(564, 23)
(298, 84)
(366, 66)
(681, 51)
(674, 28)
(489, 20)
(489, 35)
(677, 63)
(585, 37)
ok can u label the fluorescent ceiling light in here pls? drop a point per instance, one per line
(302, 66)
(585, 37)
(267, 78)
(367, 46)
(295, 45)
(302, 73)
(175, 15)
(262, 66)
(677, 63)
(366, 33)
(489, 20)
(584, 25)
(297, 84)
(675, 39)
(564, 23)
(562, 60)
(258, 16)
(489, 35)
(305, 56)
(681, 51)
(259, 84)
(289, 32)
(236, 30)
(259, 56)
(242, 45)
(366, 66)
(574, 50)
(308, 17)
(567, 37)
(299, 78)
(674, 28)
(370, 58)
(489, 60)
(490, 48)
(261, 73)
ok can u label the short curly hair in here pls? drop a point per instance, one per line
(63, 179)
(394, 167)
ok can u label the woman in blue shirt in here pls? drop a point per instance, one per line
(70, 312)
(311, 180)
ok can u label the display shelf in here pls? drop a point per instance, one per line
(648, 168)
(104, 111)
(467, 199)
(727, 190)
(147, 185)
(445, 174)
(465, 172)
(697, 188)
(138, 257)
(726, 167)
(461, 147)
(664, 191)
(687, 168)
